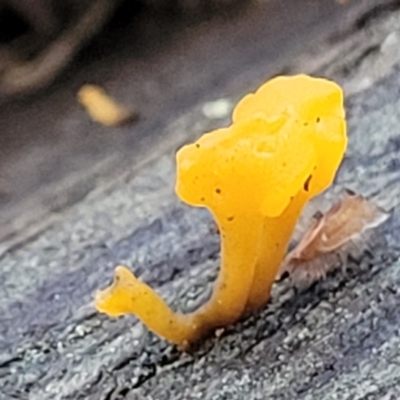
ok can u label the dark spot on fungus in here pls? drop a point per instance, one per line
(197, 146)
(202, 199)
(218, 191)
(214, 229)
(305, 124)
(231, 218)
(318, 119)
(307, 183)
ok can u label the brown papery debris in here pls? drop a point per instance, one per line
(321, 248)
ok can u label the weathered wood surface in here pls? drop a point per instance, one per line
(336, 340)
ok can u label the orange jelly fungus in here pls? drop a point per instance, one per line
(284, 147)
(102, 108)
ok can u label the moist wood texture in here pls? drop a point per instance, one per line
(337, 339)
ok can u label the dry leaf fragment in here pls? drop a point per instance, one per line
(345, 222)
(102, 108)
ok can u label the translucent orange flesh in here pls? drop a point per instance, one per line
(284, 147)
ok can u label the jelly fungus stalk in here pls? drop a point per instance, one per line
(275, 235)
(240, 250)
(127, 295)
